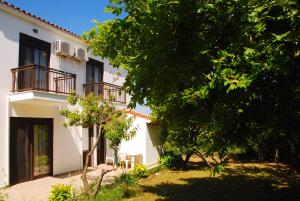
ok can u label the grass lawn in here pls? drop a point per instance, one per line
(240, 181)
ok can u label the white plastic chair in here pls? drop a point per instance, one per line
(110, 158)
(123, 158)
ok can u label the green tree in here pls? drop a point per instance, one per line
(117, 129)
(88, 111)
(226, 69)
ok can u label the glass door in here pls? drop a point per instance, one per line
(30, 148)
(94, 75)
(19, 152)
(36, 53)
(41, 150)
(40, 72)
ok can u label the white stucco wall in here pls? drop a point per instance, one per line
(146, 141)
(137, 145)
(153, 144)
(68, 142)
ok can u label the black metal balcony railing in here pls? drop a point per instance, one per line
(116, 93)
(36, 77)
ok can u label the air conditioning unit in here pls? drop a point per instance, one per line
(79, 54)
(62, 48)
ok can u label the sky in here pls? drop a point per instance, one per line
(74, 15)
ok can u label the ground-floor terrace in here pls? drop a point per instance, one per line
(39, 189)
(39, 145)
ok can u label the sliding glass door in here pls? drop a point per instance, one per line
(30, 148)
(94, 75)
(36, 53)
(19, 153)
(41, 150)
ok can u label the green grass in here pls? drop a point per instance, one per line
(110, 194)
(239, 181)
(117, 193)
(246, 182)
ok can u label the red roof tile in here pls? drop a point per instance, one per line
(134, 113)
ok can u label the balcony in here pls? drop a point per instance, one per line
(106, 90)
(38, 82)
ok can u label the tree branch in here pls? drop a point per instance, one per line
(99, 181)
(204, 159)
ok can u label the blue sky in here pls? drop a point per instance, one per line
(74, 15)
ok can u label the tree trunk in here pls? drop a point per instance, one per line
(204, 159)
(99, 182)
(116, 157)
(187, 158)
(92, 192)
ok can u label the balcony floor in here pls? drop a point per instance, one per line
(33, 97)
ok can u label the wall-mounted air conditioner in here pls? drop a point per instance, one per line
(79, 53)
(62, 48)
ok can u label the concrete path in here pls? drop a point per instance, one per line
(39, 190)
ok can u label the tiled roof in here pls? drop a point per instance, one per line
(134, 113)
(39, 18)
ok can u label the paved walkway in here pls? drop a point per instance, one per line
(39, 190)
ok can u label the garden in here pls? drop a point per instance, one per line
(222, 79)
(248, 180)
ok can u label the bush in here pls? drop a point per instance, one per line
(170, 160)
(140, 171)
(2, 197)
(125, 179)
(110, 194)
(115, 194)
(156, 169)
(61, 192)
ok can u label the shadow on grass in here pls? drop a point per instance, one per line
(236, 185)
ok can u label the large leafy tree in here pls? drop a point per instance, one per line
(228, 69)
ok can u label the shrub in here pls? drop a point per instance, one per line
(140, 171)
(2, 197)
(126, 178)
(115, 194)
(170, 160)
(110, 194)
(61, 192)
(156, 169)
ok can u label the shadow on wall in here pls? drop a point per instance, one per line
(154, 135)
(7, 30)
(117, 72)
(74, 139)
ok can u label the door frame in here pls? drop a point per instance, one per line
(34, 43)
(94, 63)
(30, 122)
(91, 139)
(102, 142)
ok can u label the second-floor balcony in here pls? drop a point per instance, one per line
(38, 78)
(106, 90)
(35, 82)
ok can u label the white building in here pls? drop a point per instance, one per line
(40, 64)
